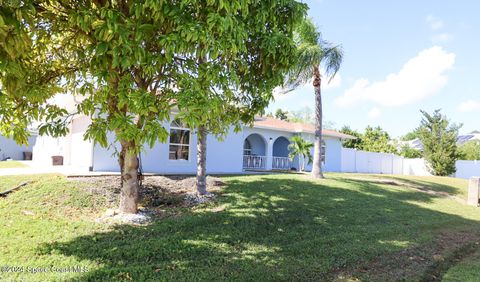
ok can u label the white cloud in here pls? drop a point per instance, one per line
(442, 37)
(420, 77)
(434, 22)
(469, 106)
(374, 113)
(336, 82)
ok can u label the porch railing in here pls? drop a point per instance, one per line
(254, 162)
(281, 163)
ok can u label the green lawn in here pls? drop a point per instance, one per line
(11, 164)
(262, 227)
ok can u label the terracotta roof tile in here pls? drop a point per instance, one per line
(277, 124)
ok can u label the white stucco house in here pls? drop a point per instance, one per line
(261, 147)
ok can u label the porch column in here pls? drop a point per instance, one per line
(269, 154)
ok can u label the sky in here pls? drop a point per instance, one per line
(399, 57)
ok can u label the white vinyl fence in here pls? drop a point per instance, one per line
(369, 162)
(467, 169)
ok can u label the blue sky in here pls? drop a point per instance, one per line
(400, 57)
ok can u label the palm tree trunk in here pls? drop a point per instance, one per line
(303, 163)
(129, 170)
(317, 153)
(202, 161)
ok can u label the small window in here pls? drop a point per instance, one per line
(179, 148)
(324, 148)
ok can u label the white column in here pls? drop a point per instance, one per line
(269, 154)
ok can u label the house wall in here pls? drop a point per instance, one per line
(222, 156)
(333, 153)
(72, 147)
(9, 148)
(81, 151)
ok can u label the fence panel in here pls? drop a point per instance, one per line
(467, 169)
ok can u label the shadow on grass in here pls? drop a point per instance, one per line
(271, 228)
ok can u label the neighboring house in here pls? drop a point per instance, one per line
(461, 139)
(10, 149)
(261, 147)
(474, 136)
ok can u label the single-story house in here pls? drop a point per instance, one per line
(264, 146)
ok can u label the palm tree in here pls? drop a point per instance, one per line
(312, 53)
(301, 148)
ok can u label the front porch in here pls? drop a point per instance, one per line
(260, 154)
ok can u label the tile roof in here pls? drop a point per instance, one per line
(282, 125)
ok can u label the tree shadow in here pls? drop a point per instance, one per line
(419, 182)
(269, 228)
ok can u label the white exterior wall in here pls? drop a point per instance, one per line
(74, 150)
(81, 151)
(225, 156)
(222, 156)
(333, 153)
(10, 149)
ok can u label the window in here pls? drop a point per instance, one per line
(179, 148)
(247, 148)
(324, 147)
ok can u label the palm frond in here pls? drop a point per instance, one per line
(332, 59)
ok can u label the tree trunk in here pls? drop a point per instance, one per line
(129, 191)
(317, 153)
(202, 160)
(302, 164)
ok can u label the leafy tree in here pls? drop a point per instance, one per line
(313, 52)
(439, 139)
(301, 148)
(412, 135)
(303, 115)
(351, 143)
(408, 152)
(377, 140)
(229, 89)
(131, 62)
(469, 151)
(280, 114)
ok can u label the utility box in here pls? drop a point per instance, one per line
(473, 191)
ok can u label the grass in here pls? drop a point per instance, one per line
(467, 270)
(262, 227)
(11, 164)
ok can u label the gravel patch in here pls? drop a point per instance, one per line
(112, 217)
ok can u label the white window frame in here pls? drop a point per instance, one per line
(181, 145)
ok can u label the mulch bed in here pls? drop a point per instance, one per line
(156, 191)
